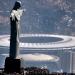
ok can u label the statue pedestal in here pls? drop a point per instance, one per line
(12, 65)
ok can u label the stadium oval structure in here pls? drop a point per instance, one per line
(39, 56)
(66, 42)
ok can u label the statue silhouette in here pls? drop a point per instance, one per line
(15, 15)
(13, 63)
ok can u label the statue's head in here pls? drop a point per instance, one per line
(17, 5)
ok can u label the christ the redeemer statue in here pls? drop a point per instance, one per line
(12, 63)
(16, 13)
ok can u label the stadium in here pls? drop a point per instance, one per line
(42, 43)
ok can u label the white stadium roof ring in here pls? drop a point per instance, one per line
(63, 42)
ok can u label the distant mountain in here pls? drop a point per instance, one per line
(45, 16)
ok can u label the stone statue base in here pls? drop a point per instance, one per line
(12, 65)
